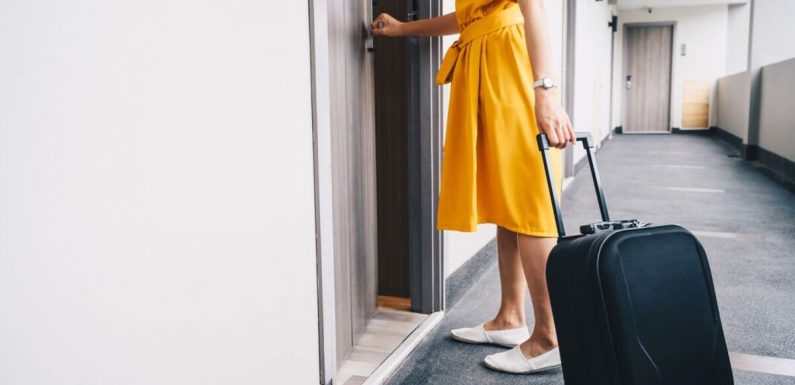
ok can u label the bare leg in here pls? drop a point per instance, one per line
(512, 282)
(534, 252)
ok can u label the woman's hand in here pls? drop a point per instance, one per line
(552, 119)
(385, 25)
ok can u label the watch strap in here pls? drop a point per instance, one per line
(541, 80)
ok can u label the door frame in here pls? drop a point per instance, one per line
(625, 55)
(569, 51)
(425, 151)
(426, 261)
(324, 219)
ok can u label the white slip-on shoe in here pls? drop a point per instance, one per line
(514, 361)
(478, 335)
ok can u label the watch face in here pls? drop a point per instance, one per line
(548, 83)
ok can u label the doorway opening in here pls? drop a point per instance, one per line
(407, 163)
(395, 93)
(385, 155)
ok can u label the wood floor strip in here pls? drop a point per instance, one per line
(385, 333)
(763, 364)
(685, 166)
(694, 189)
(396, 358)
(714, 234)
(398, 303)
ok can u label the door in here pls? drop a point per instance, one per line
(353, 170)
(647, 78)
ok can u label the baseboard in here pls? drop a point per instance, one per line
(583, 162)
(750, 151)
(776, 167)
(458, 283)
(692, 131)
(604, 140)
(734, 140)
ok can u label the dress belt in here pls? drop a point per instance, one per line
(485, 25)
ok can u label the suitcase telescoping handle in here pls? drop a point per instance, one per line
(587, 143)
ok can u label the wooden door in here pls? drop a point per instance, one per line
(353, 170)
(647, 79)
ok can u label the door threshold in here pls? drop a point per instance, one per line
(388, 367)
(391, 337)
(623, 132)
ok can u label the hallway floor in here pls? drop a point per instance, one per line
(745, 221)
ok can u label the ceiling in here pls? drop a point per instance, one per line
(635, 4)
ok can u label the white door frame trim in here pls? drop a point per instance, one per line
(569, 53)
(324, 220)
(426, 255)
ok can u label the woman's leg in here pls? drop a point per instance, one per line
(512, 282)
(534, 252)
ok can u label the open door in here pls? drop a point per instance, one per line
(353, 171)
(384, 150)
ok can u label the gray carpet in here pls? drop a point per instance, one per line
(754, 273)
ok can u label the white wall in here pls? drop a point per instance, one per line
(771, 42)
(459, 247)
(591, 111)
(766, 41)
(737, 37)
(703, 29)
(733, 98)
(592, 69)
(777, 117)
(156, 193)
(773, 30)
(643, 4)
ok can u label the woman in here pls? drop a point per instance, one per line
(503, 94)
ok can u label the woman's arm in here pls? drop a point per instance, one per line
(552, 119)
(435, 26)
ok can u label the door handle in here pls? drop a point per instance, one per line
(370, 43)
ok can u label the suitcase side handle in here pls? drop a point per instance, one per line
(587, 144)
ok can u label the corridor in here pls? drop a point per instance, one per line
(745, 221)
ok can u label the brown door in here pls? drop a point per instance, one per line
(647, 78)
(353, 171)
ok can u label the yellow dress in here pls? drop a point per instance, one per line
(492, 170)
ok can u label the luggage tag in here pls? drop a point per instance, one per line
(593, 228)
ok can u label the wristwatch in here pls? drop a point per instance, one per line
(546, 82)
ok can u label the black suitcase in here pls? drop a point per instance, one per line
(633, 303)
